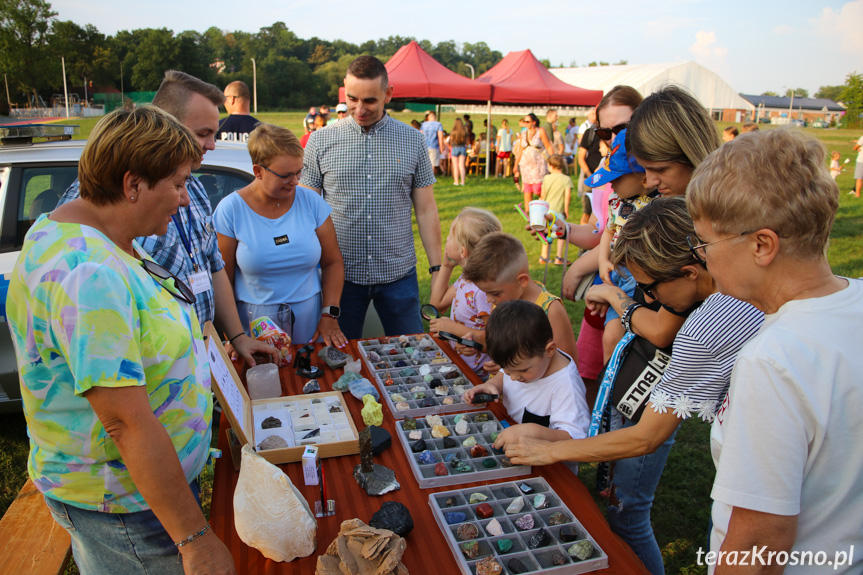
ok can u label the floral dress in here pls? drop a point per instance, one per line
(532, 165)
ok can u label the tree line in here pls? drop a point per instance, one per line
(292, 72)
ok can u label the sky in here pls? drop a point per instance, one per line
(752, 44)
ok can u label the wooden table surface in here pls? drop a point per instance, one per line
(427, 550)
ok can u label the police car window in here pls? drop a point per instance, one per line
(220, 183)
(39, 191)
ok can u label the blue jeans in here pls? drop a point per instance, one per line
(634, 482)
(111, 543)
(397, 304)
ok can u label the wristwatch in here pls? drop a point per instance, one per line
(332, 311)
(434, 269)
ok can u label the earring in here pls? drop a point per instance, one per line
(132, 198)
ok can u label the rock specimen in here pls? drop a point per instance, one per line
(448, 400)
(478, 451)
(427, 402)
(418, 446)
(569, 533)
(449, 443)
(271, 422)
(407, 372)
(372, 411)
(439, 431)
(526, 489)
(335, 408)
(415, 434)
(360, 548)
(362, 387)
(420, 394)
(374, 357)
(469, 442)
(558, 519)
(393, 516)
(381, 439)
(505, 462)
(409, 423)
(450, 502)
(432, 420)
(333, 357)
(400, 363)
(494, 529)
(398, 397)
(484, 511)
(488, 566)
(480, 418)
(489, 463)
(515, 506)
(470, 549)
(467, 531)
(343, 383)
(440, 390)
(540, 502)
(524, 522)
(539, 539)
(403, 406)
(269, 513)
(460, 465)
(375, 479)
(489, 427)
(581, 550)
(477, 497)
(425, 370)
(515, 566)
(458, 389)
(353, 365)
(454, 517)
(273, 442)
(426, 458)
(504, 545)
(312, 386)
(440, 468)
(559, 559)
(461, 427)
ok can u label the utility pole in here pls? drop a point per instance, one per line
(255, 84)
(8, 101)
(122, 94)
(65, 90)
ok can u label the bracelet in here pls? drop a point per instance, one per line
(433, 269)
(236, 336)
(192, 537)
(626, 319)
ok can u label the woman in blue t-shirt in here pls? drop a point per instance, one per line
(273, 234)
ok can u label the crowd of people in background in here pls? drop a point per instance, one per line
(712, 253)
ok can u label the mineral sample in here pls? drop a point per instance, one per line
(440, 469)
(432, 420)
(378, 481)
(375, 550)
(403, 406)
(393, 516)
(480, 418)
(581, 550)
(478, 451)
(345, 380)
(477, 497)
(448, 400)
(426, 458)
(469, 442)
(409, 423)
(488, 566)
(559, 559)
(454, 517)
(484, 510)
(450, 502)
(335, 408)
(489, 463)
(407, 372)
(333, 357)
(381, 439)
(427, 402)
(418, 388)
(539, 539)
(515, 506)
(526, 489)
(441, 390)
(515, 566)
(451, 375)
(449, 443)
(398, 397)
(415, 434)
(374, 357)
(467, 531)
(424, 370)
(489, 427)
(420, 394)
(273, 442)
(400, 363)
(459, 389)
(504, 545)
(271, 422)
(540, 501)
(558, 519)
(419, 446)
(505, 462)
(569, 533)
(450, 456)
(439, 431)
(461, 427)
(362, 387)
(460, 465)
(393, 352)
(470, 549)
(494, 529)
(524, 522)
(372, 411)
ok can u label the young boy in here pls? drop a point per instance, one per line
(629, 196)
(539, 385)
(556, 190)
(499, 267)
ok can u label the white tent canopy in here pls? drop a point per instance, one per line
(712, 91)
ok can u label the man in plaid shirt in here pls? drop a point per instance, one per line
(372, 169)
(196, 104)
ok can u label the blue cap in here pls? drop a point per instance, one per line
(617, 163)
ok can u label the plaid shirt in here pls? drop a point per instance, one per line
(368, 178)
(169, 252)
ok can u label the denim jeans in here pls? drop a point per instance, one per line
(111, 543)
(397, 304)
(634, 482)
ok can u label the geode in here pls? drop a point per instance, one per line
(467, 531)
(271, 422)
(333, 357)
(272, 442)
(393, 516)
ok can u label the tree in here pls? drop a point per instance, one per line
(830, 92)
(797, 92)
(24, 32)
(770, 93)
(852, 97)
(86, 52)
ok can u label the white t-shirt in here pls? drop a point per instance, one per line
(860, 151)
(559, 397)
(788, 438)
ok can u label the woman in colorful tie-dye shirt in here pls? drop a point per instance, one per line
(114, 377)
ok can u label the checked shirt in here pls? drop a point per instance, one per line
(169, 252)
(368, 178)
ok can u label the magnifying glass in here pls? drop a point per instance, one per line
(429, 312)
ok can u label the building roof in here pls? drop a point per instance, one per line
(783, 102)
(711, 90)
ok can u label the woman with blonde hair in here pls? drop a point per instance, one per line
(458, 151)
(273, 234)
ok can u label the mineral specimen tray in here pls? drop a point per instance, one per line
(425, 473)
(413, 388)
(499, 496)
(338, 433)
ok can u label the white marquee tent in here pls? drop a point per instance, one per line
(713, 92)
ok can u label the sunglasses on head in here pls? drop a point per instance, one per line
(607, 133)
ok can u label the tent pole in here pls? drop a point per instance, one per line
(488, 141)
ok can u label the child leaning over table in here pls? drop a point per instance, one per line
(539, 385)
(556, 190)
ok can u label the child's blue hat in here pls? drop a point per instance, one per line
(617, 163)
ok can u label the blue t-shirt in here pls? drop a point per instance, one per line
(430, 130)
(277, 260)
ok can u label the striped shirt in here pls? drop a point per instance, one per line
(705, 350)
(168, 251)
(368, 178)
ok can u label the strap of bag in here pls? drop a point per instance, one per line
(604, 394)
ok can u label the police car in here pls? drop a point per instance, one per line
(33, 176)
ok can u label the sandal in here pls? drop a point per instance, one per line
(543, 260)
(559, 262)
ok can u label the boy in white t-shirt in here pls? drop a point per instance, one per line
(539, 385)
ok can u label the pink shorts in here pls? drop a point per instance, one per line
(535, 189)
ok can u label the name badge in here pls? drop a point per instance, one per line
(281, 240)
(200, 282)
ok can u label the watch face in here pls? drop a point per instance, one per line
(333, 310)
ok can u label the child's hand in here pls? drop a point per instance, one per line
(605, 269)
(482, 388)
(491, 367)
(442, 324)
(596, 299)
(466, 350)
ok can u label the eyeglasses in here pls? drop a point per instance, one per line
(286, 177)
(648, 289)
(607, 133)
(699, 248)
(179, 289)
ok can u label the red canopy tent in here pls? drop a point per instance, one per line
(418, 77)
(522, 79)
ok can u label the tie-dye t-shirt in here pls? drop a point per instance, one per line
(84, 313)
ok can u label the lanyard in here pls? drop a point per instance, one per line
(178, 221)
(604, 394)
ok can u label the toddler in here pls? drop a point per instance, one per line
(835, 167)
(469, 304)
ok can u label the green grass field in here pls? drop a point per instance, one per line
(682, 506)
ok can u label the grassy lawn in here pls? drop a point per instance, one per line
(682, 506)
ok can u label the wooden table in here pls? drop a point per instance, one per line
(427, 551)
